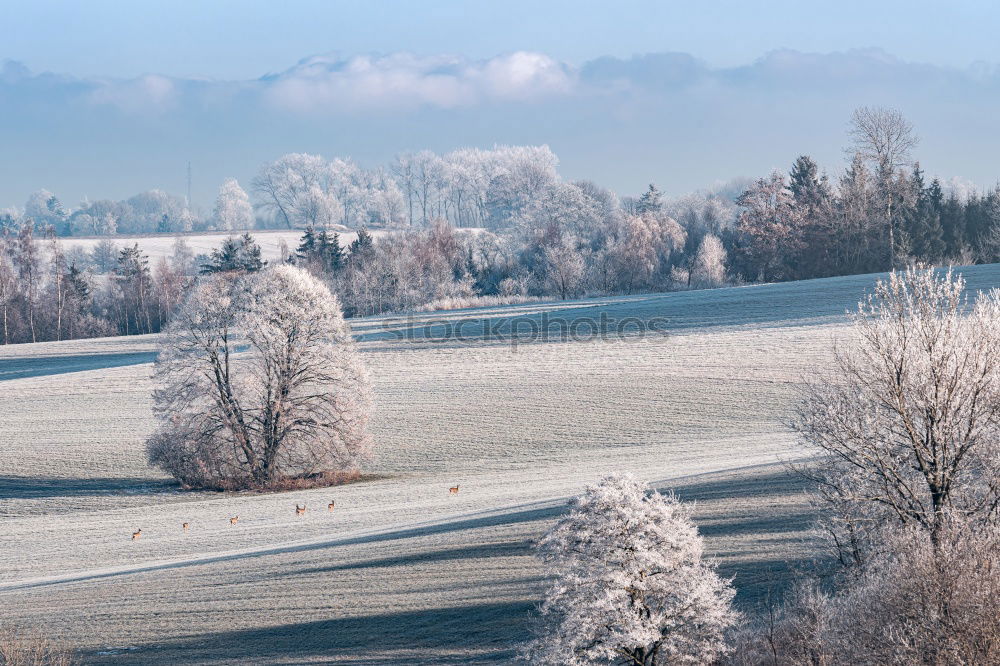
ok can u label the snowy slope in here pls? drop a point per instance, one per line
(402, 571)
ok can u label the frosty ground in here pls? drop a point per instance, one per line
(402, 571)
(162, 245)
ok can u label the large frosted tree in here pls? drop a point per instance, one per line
(908, 425)
(258, 384)
(628, 583)
(233, 211)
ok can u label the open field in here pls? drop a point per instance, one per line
(402, 571)
(162, 245)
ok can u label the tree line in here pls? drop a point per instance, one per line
(45, 294)
(530, 235)
(882, 213)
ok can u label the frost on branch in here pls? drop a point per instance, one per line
(909, 424)
(258, 384)
(628, 584)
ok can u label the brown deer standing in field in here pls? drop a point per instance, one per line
(329, 507)
(453, 490)
(300, 510)
(136, 534)
(185, 526)
(234, 520)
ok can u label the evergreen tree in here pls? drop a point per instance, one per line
(307, 245)
(809, 189)
(236, 254)
(77, 285)
(813, 201)
(650, 201)
(330, 251)
(921, 222)
(953, 227)
(134, 285)
(362, 247)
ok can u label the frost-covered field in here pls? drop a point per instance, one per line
(402, 571)
(162, 245)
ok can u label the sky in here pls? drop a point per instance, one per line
(104, 99)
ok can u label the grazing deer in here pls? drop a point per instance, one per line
(136, 534)
(453, 490)
(300, 510)
(185, 526)
(329, 507)
(234, 520)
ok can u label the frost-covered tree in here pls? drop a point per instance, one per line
(564, 266)
(258, 383)
(709, 267)
(884, 137)
(182, 259)
(133, 295)
(769, 226)
(284, 184)
(650, 201)
(909, 425)
(233, 211)
(154, 210)
(628, 583)
(104, 255)
(915, 603)
(8, 292)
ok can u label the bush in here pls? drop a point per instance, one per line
(19, 648)
(921, 601)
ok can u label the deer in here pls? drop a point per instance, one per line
(329, 507)
(234, 520)
(136, 534)
(453, 490)
(300, 510)
(185, 526)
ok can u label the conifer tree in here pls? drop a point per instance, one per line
(307, 245)
(236, 254)
(650, 201)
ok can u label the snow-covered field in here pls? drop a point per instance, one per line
(162, 245)
(402, 571)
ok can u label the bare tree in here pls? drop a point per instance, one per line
(28, 260)
(8, 292)
(909, 426)
(884, 137)
(405, 173)
(258, 384)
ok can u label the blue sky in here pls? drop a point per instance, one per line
(732, 88)
(227, 39)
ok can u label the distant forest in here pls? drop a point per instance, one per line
(530, 234)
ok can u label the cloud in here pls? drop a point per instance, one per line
(407, 81)
(149, 93)
(782, 70)
(668, 117)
